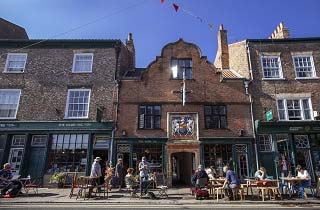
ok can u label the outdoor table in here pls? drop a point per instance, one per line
(271, 185)
(251, 182)
(291, 182)
(24, 182)
(216, 186)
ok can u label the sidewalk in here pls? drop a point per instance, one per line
(176, 197)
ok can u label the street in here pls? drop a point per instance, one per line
(154, 207)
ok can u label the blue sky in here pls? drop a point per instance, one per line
(154, 24)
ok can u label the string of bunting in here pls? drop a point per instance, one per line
(177, 7)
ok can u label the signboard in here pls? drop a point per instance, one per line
(269, 115)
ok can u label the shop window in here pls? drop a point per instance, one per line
(264, 143)
(218, 156)
(153, 153)
(3, 140)
(215, 116)
(68, 153)
(149, 117)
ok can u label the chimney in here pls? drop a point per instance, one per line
(132, 51)
(281, 32)
(222, 57)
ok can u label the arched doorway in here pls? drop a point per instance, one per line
(182, 168)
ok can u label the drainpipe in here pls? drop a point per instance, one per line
(116, 81)
(251, 103)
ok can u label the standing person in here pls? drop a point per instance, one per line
(144, 170)
(96, 168)
(119, 173)
(231, 182)
(285, 167)
(10, 188)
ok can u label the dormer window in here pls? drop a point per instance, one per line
(180, 67)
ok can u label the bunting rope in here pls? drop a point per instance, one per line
(176, 7)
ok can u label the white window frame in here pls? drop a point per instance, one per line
(67, 105)
(74, 63)
(7, 63)
(36, 143)
(304, 54)
(301, 108)
(271, 56)
(17, 105)
(16, 141)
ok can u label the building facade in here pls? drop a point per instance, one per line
(58, 102)
(285, 88)
(181, 111)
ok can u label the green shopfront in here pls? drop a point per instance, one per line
(39, 148)
(299, 142)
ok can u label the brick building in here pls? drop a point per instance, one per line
(284, 85)
(58, 102)
(213, 127)
(9, 30)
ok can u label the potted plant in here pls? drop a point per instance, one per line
(58, 178)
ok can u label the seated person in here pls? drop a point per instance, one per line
(11, 188)
(231, 182)
(211, 172)
(201, 173)
(303, 174)
(261, 174)
(131, 182)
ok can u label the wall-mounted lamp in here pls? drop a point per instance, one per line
(124, 132)
(241, 132)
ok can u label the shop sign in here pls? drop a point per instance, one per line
(295, 128)
(269, 115)
(74, 124)
(8, 125)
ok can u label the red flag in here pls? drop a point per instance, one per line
(176, 7)
(161, 1)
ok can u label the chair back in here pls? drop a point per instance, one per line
(202, 182)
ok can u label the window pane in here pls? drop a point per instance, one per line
(207, 110)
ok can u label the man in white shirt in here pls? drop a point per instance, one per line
(96, 168)
(303, 174)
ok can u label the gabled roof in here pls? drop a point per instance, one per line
(9, 30)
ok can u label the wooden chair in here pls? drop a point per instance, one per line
(74, 184)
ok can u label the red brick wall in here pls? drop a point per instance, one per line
(156, 86)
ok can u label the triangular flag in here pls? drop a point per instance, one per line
(176, 7)
(161, 1)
